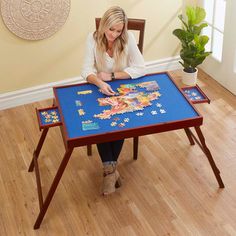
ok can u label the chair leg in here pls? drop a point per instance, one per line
(89, 150)
(135, 148)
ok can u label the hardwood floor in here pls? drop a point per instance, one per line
(169, 190)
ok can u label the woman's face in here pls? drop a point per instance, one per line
(114, 32)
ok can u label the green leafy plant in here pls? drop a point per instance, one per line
(193, 43)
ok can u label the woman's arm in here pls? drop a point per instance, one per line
(89, 71)
(89, 58)
(104, 87)
(105, 76)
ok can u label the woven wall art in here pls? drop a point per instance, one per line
(34, 19)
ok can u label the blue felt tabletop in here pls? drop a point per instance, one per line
(78, 110)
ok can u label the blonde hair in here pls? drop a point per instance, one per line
(114, 15)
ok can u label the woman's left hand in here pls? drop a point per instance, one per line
(106, 89)
(104, 76)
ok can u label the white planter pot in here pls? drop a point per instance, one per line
(189, 78)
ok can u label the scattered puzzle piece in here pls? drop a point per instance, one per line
(116, 118)
(78, 103)
(139, 114)
(87, 122)
(84, 92)
(81, 112)
(158, 105)
(162, 111)
(154, 112)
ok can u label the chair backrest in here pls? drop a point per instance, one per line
(135, 25)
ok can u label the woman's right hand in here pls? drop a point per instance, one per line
(106, 89)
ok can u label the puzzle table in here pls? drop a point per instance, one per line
(87, 117)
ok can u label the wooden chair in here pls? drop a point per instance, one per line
(133, 25)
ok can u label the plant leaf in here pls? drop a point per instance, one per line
(183, 35)
(200, 15)
(203, 40)
(197, 29)
(195, 15)
(191, 15)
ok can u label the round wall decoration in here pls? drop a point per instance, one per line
(34, 19)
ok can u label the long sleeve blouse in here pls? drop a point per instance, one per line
(134, 65)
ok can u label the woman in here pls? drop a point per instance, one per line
(111, 54)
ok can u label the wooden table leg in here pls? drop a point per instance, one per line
(205, 149)
(189, 135)
(38, 149)
(135, 148)
(53, 188)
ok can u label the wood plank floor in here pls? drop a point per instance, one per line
(169, 190)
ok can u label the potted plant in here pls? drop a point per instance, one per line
(193, 43)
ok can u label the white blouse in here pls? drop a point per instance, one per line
(134, 65)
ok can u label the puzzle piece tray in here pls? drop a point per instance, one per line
(195, 94)
(48, 117)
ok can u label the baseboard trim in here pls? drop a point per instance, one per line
(166, 64)
(33, 94)
(42, 92)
